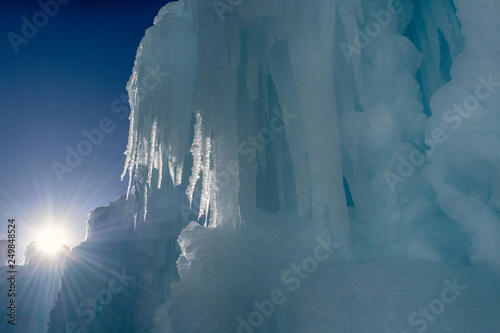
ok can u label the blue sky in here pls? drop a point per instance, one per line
(63, 80)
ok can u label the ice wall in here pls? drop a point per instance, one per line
(219, 141)
(463, 134)
(98, 289)
(367, 124)
(113, 221)
(37, 283)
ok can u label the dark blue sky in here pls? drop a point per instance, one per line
(63, 81)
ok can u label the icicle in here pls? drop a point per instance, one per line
(207, 178)
(171, 164)
(129, 161)
(213, 204)
(160, 165)
(131, 152)
(312, 66)
(178, 178)
(197, 157)
(349, 16)
(145, 203)
(294, 131)
(152, 162)
(449, 25)
(216, 95)
(432, 17)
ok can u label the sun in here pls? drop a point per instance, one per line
(51, 240)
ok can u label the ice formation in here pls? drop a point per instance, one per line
(372, 123)
(308, 166)
(36, 284)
